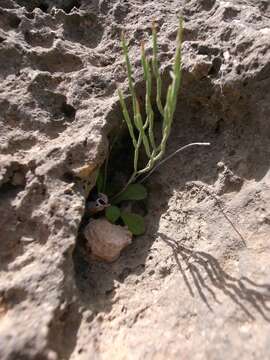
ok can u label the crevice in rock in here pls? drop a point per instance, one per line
(84, 28)
(95, 295)
(55, 60)
(68, 110)
(46, 5)
(43, 38)
(13, 176)
(191, 263)
(70, 5)
(42, 89)
(9, 19)
(11, 58)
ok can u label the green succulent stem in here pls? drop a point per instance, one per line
(142, 132)
(155, 66)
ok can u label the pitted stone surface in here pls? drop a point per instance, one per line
(196, 285)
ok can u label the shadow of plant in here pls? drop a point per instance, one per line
(238, 290)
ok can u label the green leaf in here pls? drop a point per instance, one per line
(134, 222)
(112, 213)
(132, 192)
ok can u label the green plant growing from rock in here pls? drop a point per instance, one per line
(114, 212)
(134, 222)
(145, 128)
(142, 131)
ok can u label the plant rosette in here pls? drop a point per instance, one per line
(114, 213)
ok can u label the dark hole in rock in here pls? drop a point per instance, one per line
(15, 178)
(56, 60)
(10, 187)
(208, 50)
(263, 6)
(121, 161)
(207, 4)
(109, 292)
(70, 5)
(219, 125)
(216, 64)
(43, 7)
(14, 21)
(9, 19)
(255, 64)
(15, 295)
(68, 177)
(68, 110)
(238, 70)
(46, 5)
(30, 15)
(70, 159)
(39, 38)
(31, 5)
(230, 13)
(84, 28)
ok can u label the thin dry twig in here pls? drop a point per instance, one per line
(172, 155)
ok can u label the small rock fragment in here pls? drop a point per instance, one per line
(106, 240)
(85, 171)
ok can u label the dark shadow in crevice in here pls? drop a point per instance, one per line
(68, 110)
(95, 280)
(56, 60)
(10, 244)
(9, 19)
(83, 28)
(52, 102)
(14, 184)
(96, 294)
(46, 5)
(43, 38)
(67, 6)
(31, 5)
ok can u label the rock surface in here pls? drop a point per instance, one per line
(196, 285)
(106, 240)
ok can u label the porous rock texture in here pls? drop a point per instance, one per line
(196, 285)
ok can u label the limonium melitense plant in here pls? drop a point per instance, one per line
(142, 130)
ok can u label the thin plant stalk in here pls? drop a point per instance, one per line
(148, 106)
(145, 129)
(156, 71)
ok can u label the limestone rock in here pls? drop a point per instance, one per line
(106, 240)
(189, 288)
